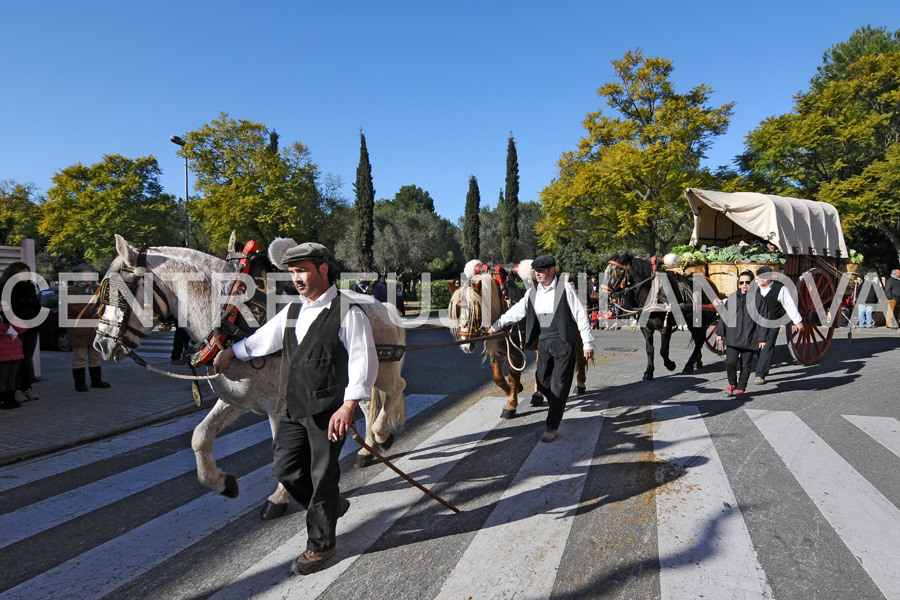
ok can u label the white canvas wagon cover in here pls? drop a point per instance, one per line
(796, 226)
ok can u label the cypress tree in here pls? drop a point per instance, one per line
(509, 216)
(471, 234)
(365, 209)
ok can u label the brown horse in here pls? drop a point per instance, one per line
(477, 304)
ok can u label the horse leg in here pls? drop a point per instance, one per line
(512, 401)
(221, 415)
(537, 398)
(648, 346)
(384, 414)
(697, 335)
(665, 338)
(276, 504)
(580, 374)
(497, 362)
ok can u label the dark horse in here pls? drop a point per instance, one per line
(630, 280)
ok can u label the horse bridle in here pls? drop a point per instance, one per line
(110, 295)
(469, 327)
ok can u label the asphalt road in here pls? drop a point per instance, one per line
(661, 489)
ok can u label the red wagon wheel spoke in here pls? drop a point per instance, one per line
(815, 287)
(711, 338)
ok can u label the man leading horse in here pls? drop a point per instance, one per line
(556, 319)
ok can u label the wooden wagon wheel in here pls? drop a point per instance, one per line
(711, 338)
(808, 346)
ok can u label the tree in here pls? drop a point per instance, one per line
(471, 233)
(20, 213)
(624, 182)
(839, 144)
(527, 245)
(410, 198)
(88, 205)
(510, 214)
(365, 209)
(248, 182)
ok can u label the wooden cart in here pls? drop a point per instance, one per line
(808, 232)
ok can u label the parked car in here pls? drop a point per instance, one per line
(52, 335)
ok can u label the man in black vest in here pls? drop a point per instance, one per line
(778, 302)
(329, 363)
(556, 320)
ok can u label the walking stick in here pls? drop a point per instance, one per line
(399, 472)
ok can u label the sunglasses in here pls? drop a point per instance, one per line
(744, 282)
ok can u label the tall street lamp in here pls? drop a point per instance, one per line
(187, 220)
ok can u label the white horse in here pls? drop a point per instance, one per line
(192, 284)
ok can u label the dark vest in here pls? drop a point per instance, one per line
(314, 373)
(563, 326)
(774, 309)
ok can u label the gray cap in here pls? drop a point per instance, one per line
(305, 251)
(544, 261)
(84, 267)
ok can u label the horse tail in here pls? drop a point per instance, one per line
(391, 400)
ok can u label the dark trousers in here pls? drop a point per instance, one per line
(745, 357)
(180, 343)
(554, 372)
(765, 355)
(306, 463)
(26, 369)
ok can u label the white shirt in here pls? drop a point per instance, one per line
(786, 301)
(543, 304)
(355, 334)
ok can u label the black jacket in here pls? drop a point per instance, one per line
(742, 332)
(892, 288)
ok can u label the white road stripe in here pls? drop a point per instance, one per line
(705, 550)
(41, 516)
(358, 530)
(866, 521)
(884, 430)
(41, 468)
(111, 565)
(517, 552)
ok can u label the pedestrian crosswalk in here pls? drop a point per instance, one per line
(157, 347)
(528, 511)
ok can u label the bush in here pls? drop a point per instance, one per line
(440, 293)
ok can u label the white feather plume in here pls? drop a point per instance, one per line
(277, 249)
(470, 270)
(526, 273)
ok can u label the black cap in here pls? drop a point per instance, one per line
(763, 270)
(544, 261)
(306, 251)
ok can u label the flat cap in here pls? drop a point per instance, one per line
(84, 267)
(544, 261)
(763, 270)
(306, 251)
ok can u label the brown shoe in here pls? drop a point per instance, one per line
(549, 435)
(311, 561)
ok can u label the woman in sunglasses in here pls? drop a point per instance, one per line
(743, 337)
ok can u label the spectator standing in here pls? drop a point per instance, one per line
(892, 291)
(743, 338)
(866, 300)
(10, 358)
(361, 287)
(379, 290)
(778, 302)
(180, 345)
(25, 305)
(81, 335)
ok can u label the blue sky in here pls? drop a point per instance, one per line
(436, 87)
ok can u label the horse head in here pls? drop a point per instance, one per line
(473, 307)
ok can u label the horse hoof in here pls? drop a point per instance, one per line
(387, 443)
(521, 387)
(231, 486)
(648, 376)
(579, 390)
(364, 460)
(537, 399)
(507, 414)
(670, 365)
(271, 511)
(687, 369)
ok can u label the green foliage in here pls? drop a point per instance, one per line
(575, 257)
(365, 209)
(750, 253)
(623, 185)
(20, 213)
(88, 205)
(410, 198)
(440, 293)
(471, 231)
(855, 257)
(509, 215)
(248, 183)
(840, 143)
(527, 245)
